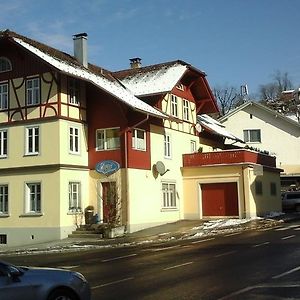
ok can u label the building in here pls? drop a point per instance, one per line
(268, 130)
(64, 124)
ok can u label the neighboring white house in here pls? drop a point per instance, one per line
(266, 129)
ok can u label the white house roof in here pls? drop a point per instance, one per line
(216, 127)
(155, 80)
(113, 87)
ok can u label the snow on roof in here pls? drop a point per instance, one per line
(216, 127)
(112, 87)
(154, 81)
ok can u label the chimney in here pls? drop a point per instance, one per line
(135, 62)
(80, 48)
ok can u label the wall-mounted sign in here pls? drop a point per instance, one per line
(107, 167)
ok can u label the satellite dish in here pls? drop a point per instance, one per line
(198, 127)
(160, 168)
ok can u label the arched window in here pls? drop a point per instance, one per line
(5, 64)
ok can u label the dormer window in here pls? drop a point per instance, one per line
(5, 64)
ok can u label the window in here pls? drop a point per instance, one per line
(74, 140)
(3, 199)
(74, 91)
(167, 146)
(169, 195)
(33, 203)
(174, 106)
(3, 240)
(258, 187)
(5, 64)
(180, 87)
(186, 114)
(273, 189)
(33, 91)
(139, 139)
(3, 96)
(108, 139)
(193, 147)
(74, 197)
(32, 140)
(252, 136)
(3, 143)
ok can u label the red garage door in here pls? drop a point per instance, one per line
(220, 199)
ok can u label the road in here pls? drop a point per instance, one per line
(256, 264)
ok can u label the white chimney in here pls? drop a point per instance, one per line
(135, 63)
(80, 48)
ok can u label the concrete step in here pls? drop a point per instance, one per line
(86, 235)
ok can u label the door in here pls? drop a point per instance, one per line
(109, 198)
(220, 199)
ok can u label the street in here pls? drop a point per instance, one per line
(255, 264)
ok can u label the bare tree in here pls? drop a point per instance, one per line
(227, 98)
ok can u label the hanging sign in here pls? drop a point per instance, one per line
(107, 167)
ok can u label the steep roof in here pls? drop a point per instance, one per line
(261, 107)
(95, 75)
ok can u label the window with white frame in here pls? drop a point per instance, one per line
(74, 140)
(169, 195)
(252, 136)
(32, 140)
(74, 197)
(4, 199)
(108, 139)
(180, 87)
(167, 146)
(3, 96)
(186, 111)
(3, 143)
(193, 146)
(5, 65)
(139, 139)
(33, 197)
(74, 91)
(174, 106)
(33, 91)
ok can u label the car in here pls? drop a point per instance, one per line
(36, 283)
(291, 201)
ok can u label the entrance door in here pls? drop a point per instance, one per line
(220, 199)
(109, 197)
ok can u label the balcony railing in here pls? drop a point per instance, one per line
(228, 157)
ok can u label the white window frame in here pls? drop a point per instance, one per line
(3, 143)
(4, 199)
(185, 110)
(248, 138)
(3, 96)
(32, 137)
(174, 106)
(103, 143)
(180, 86)
(74, 140)
(193, 146)
(33, 92)
(139, 143)
(75, 196)
(167, 146)
(169, 195)
(74, 91)
(33, 203)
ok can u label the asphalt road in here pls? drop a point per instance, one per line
(256, 264)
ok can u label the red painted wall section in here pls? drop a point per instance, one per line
(220, 199)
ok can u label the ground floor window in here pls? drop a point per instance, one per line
(74, 197)
(33, 203)
(169, 195)
(3, 199)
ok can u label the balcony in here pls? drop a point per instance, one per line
(227, 157)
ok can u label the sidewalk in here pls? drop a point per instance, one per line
(184, 229)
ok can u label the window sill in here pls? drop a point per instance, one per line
(4, 215)
(31, 214)
(3, 156)
(31, 154)
(72, 213)
(171, 209)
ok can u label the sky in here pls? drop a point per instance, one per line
(235, 42)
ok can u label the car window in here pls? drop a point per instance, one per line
(293, 196)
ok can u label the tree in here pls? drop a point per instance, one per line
(227, 98)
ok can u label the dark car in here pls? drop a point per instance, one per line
(291, 201)
(31, 283)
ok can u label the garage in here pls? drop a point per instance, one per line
(219, 199)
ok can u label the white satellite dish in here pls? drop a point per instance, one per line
(198, 127)
(160, 168)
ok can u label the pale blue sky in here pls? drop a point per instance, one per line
(233, 41)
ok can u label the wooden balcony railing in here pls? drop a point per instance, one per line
(228, 157)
